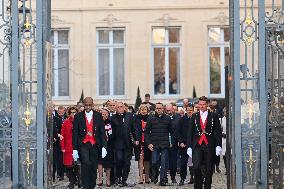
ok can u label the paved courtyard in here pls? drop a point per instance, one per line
(219, 180)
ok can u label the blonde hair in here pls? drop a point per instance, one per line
(143, 106)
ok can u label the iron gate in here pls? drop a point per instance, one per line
(24, 93)
(275, 86)
(257, 93)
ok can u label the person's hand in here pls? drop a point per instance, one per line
(136, 143)
(189, 152)
(63, 150)
(104, 152)
(60, 136)
(151, 147)
(218, 151)
(109, 132)
(182, 145)
(75, 155)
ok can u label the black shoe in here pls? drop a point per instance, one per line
(181, 183)
(61, 178)
(191, 181)
(123, 184)
(178, 171)
(217, 169)
(155, 180)
(100, 184)
(166, 180)
(174, 181)
(71, 185)
(117, 182)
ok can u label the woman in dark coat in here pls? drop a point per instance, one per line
(142, 153)
(106, 162)
(67, 147)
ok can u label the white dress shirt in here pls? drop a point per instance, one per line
(203, 116)
(89, 115)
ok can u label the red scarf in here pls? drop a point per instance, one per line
(143, 129)
(203, 136)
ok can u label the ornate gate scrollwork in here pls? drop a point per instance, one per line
(5, 94)
(275, 86)
(257, 118)
(24, 28)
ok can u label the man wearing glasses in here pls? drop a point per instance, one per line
(88, 137)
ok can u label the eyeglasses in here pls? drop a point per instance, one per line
(73, 112)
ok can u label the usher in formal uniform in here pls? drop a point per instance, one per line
(88, 137)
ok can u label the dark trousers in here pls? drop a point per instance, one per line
(173, 156)
(183, 163)
(225, 162)
(203, 156)
(58, 166)
(217, 160)
(122, 158)
(89, 164)
(112, 175)
(157, 155)
(73, 174)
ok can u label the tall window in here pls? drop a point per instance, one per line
(166, 49)
(110, 62)
(219, 55)
(60, 62)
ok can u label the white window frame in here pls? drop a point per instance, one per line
(110, 46)
(55, 48)
(166, 45)
(222, 45)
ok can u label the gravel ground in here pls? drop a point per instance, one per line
(219, 180)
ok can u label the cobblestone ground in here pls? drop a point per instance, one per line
(219, 180)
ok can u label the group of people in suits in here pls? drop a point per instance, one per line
(106, 138)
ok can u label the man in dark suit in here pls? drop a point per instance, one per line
(58, 118)
(88, 137)
(173, 150)
(182, 131)
(204, 140)
(124, 137)
(215, 108)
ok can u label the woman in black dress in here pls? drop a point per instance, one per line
(107, 162)
(142, 153)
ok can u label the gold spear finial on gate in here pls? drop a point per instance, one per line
(250, 162)
(28, 162)
(27, 24)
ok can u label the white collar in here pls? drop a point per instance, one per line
(203, 115)
(89, 115)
